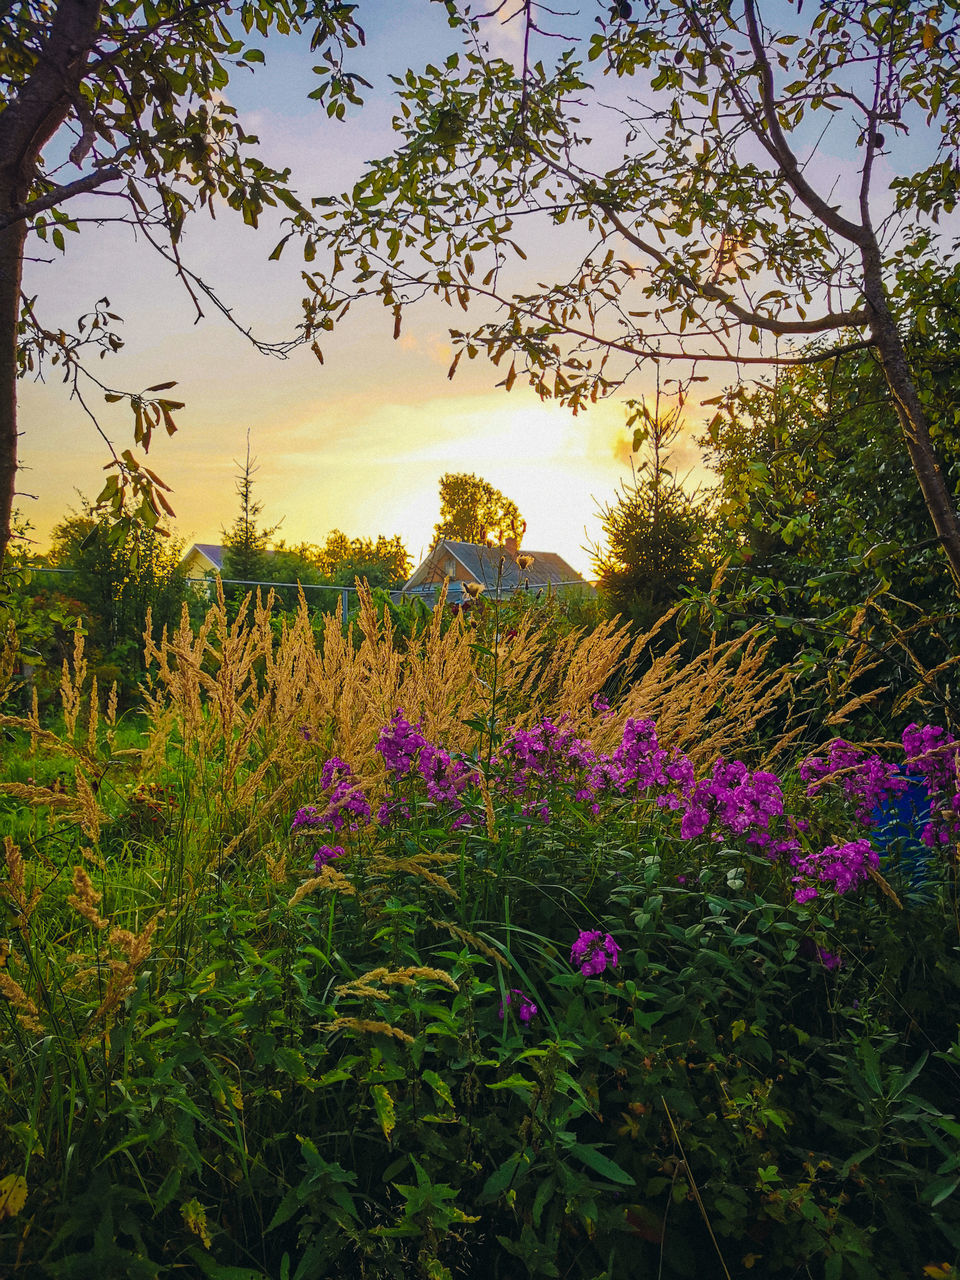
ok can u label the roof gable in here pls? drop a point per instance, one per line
(484, 565)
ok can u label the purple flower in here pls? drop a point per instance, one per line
(601, 706)
(593, 951)
(326, 853)
(346, 805)
(829, 959)
(932, 753)
(525, 1009)
(399, 744)
(308, 816)
(864, 779)
(845, 866)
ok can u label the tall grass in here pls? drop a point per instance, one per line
(225, 1062)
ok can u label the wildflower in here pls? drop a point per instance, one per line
(473, 589)
(326, 853)
(932, 753)
(864, 779)
(829, 959)
(399, 744)
(593, 951)
(524, 560)
(346, 806)
(845, 866)
(525, 1009)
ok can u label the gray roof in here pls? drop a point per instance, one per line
(212, 550)
(483, 564)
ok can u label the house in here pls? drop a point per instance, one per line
(201, 559)
(461, 562)
(204, 558)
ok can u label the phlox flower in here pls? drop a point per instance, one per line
(399, 744)
(326, 853)
(524, 1008)
(866, 780)
(346, 806)
(844, 866)
(593, 951)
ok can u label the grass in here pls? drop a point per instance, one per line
(224, 1061)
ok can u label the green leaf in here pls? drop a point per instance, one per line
(601, 1164)
(386, 1113)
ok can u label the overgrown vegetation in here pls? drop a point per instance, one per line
(468, 956)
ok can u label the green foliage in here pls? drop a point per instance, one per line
(472, 510)
(140, 101)
(233, 1069)
(104, 580)
(823, 526)
(384, 562)
(710, 241)
(656, 536)
(245, 542)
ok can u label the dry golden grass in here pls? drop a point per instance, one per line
(253, 707)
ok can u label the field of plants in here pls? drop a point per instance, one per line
(485, 951)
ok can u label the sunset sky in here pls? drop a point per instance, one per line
(358, 444)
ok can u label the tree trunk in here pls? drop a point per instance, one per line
(27, 123)
(910, 411)
(11, 266)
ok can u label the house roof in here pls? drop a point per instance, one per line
(212, 550)
(483, 565)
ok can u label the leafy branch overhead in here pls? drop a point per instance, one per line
(136, 92)
(685, 214)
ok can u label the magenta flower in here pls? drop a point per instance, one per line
(525, 1009)
(829, 959)
(399, 744)
(844, 866)
(326, 853)
(593, 951)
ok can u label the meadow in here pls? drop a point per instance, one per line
(484, 951)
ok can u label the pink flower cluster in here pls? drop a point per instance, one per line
(531, 763)
(346, 805)
(931, 754)
(406, 752)
(866, 780)
(326, 853)
(731, 801)
(593, 951)
(843, 866)
(399, 743)
(524, 1008)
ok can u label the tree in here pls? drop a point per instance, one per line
(246, 543)
(116, 581)
(656, 536)
(714, 239)
(821, 523)
(383, 561)
(472, 510)
(137, 87)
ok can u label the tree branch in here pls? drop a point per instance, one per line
(58, 195)
(775, 142)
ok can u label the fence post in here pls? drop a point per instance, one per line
(345, 597)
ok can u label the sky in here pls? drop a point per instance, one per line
(358, 444)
